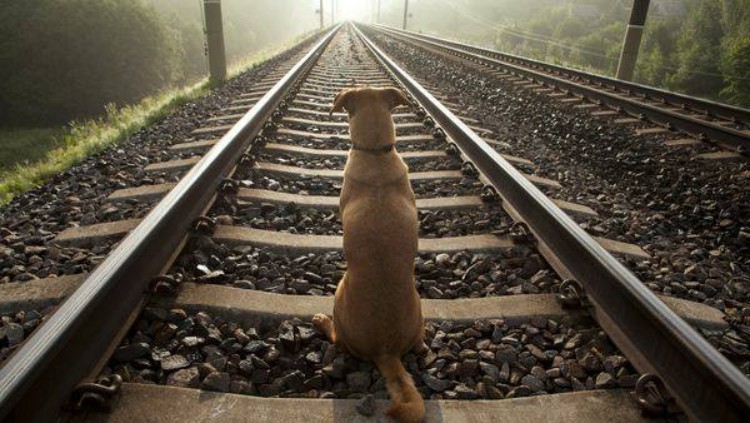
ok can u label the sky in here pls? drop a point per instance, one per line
(358, 10)
(353, 9)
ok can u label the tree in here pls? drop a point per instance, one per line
(735, 64)
(66, 59)
(186, 18)
(735, 52)
(570, 28)
(656, 60)
(699, 55)
(736, 17)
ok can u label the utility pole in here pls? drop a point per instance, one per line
(377, 20)
(632, 42)
(320, 10)
(406, 12)
(217, 59)
(333, 11)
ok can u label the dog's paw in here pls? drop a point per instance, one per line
(324, 325)
(321, 321)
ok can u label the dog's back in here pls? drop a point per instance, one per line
(380, 243)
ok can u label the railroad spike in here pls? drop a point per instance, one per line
(99, 395)
(163, 285)
(204, 225)
(229, 186)
(227, 198)
(452, 150)
(260, 141)
(247, 159)
(520, 233)
(269, 128)
(573, 295)
(652, 397)
(489, 194)
(468, 169)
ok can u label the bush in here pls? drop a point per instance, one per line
(186, 17)
(66, 59)
(736, 67)
(699, 52)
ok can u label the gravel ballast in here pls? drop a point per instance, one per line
(483, 360)
(439, 276)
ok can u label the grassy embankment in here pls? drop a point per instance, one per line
(31, 156)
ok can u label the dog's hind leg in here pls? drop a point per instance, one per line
(420, 348)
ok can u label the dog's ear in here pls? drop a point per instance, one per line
(343, 101)
(395, 97)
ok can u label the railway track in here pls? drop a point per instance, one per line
(215, 287)
(688, 120)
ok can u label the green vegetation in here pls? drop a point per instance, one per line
(697, 47)
(249, 25)
(81, 140)
(77, 141)
(21, 146)
(64, 60)
(111, 67)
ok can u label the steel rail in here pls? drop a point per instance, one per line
(728, 138)
(711, 108)
(706, 385)
(40, 376)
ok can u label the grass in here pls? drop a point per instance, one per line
(21, 146)
(79, 140)
(30, 157)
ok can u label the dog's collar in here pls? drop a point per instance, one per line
(383, 149)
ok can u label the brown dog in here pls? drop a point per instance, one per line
(377, 314)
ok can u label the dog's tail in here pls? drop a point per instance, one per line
(408, 406)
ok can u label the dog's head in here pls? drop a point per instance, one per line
(374, 99)
(369, 110)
